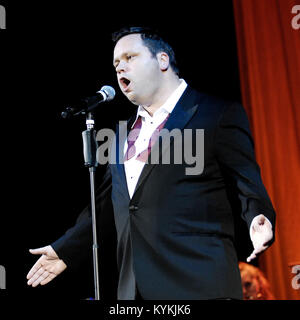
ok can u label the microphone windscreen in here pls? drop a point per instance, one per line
(109, 91)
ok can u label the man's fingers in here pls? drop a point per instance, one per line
(42, 277)
(38, 250)
(34, 269)
(38, 277)
(38, 264)
(36, 274)
(259, 249)
(255, 252)
(50, 277)
(32, 279)
(251, 257)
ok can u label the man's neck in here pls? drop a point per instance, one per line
(163, 95)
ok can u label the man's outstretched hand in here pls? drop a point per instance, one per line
(47, 267)
(260, 234)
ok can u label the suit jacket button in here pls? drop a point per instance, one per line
(133, 208)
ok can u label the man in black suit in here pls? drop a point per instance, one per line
(174, 224)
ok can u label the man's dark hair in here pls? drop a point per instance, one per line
(151, 39)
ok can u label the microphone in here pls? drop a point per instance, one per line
(106, 93)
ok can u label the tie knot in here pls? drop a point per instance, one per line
(135, 131)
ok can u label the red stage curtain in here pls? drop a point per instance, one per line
(269, 61)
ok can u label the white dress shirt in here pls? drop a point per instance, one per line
(134, 167)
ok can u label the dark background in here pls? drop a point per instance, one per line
(52, 55)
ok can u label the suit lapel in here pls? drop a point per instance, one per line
(180, 116)
(121, 135)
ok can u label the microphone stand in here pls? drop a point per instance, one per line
(89, 151)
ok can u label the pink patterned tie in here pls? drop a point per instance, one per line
(132, 137)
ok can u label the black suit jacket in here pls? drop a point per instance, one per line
(175, 236)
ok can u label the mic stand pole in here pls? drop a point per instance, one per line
(89, 150)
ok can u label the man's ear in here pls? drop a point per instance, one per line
(163, 60)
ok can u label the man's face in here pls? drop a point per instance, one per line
(138, 72)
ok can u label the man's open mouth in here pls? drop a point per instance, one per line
(124, 83)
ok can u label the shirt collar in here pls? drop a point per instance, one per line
(168, 106)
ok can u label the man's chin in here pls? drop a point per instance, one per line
(132, 98)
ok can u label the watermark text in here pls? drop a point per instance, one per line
(166, 147)
(295, 22)
(2, 17)
(296, 278)
(2, 277)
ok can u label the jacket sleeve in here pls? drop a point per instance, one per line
(75, 245)
(234, 149)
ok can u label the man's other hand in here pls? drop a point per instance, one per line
(260, 234)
